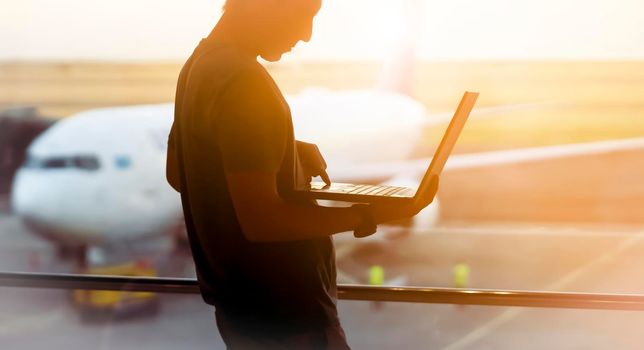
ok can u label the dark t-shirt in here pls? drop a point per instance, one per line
(231, 116)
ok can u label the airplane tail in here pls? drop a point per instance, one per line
(399, 68)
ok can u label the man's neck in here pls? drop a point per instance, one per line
(233, 31)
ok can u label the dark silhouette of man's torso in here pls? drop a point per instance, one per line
(227, 103)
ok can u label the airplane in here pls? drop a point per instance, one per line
(97, 178)
(18, 127)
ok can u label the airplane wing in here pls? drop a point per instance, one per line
(595, 182)
(490, 159)
(492, 111)
(415, 168)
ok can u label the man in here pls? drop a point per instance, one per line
(264, 257)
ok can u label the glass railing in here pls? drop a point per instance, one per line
(32, 318)
(428, 295)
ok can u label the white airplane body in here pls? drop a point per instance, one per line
(99, 176)
(124, 196)
(353, 122)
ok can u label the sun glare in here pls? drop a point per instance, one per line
(345, 30)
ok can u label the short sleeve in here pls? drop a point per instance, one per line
(171, 138)
(172, 161)
(251, 126)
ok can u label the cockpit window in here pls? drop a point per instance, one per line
(84, 162)
(54, 163)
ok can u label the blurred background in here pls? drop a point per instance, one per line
(544, 191)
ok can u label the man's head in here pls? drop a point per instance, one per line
(276, 26)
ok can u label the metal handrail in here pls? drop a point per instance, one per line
(346, 292)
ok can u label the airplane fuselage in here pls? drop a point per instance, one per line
(99, 176)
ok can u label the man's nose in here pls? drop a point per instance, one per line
(306, 35)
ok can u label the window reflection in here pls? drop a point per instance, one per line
(544, 191)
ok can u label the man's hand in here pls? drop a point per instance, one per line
(367, 225)
(312, 161)
(384, 213)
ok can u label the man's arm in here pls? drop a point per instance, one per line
(312, 161)
(252, 132)
(265, 217)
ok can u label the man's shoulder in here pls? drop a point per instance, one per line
(225, 62)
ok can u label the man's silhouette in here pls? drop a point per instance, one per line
(264, 257)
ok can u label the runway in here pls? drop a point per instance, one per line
(517, 256)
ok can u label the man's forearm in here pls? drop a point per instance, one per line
(285, 221)
(265, 216)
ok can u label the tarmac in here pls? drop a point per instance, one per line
(500, 256)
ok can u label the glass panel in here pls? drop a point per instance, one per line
(59, 319)
(552, 258)
(423, 326)
(33, 319)
(544, 190)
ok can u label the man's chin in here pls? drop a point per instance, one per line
(271, 57)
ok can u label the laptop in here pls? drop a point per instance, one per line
(362, 193)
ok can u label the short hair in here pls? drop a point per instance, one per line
(227, 5)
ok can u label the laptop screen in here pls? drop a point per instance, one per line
(449, 139)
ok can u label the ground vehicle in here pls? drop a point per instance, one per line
(102, 304)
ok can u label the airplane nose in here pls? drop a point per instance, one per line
(27, 198)
(51, 205)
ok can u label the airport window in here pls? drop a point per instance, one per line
(543, 190)
(113, 321)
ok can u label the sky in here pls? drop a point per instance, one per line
(134, 30)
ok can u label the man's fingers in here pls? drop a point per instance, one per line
(325, 177)
(321, 173)
(362, 232)
(320, 159)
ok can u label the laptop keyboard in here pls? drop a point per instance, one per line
(377, 190)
